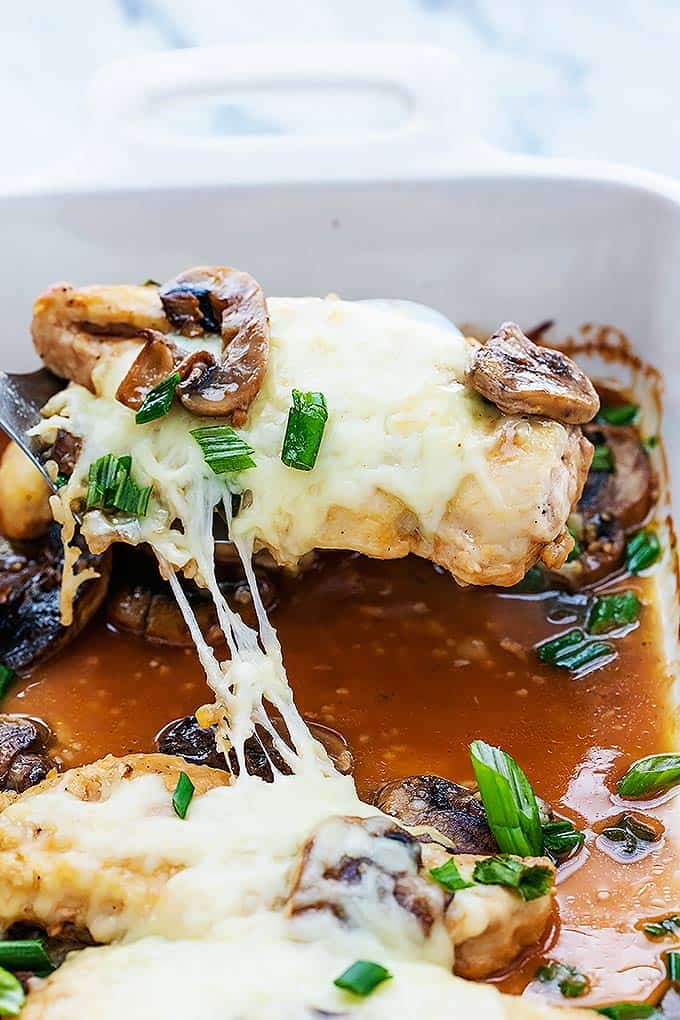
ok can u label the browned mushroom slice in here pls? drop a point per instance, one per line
(24, 761)
(217, 299)
(365, 871)
(154, 363)
(613, 502)
(437, 803)
(30, 618)
(521, 377)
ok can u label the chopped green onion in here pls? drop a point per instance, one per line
(650, 775)
(650, 443)
(306, 423)
(661, 929)
(25, 954)
(101, 482)
(509, 801)
(362, 977)
(673, 965)
(6, 677)
(11, 994)
(224, 450)
(561, 839)
(570, 981)
(572, 651)
(550, 651)
(533, 581)
(61, 480)
(613, 611)
(602, 458)
(111, 487)
(624, 414)
(158, 401)
(629, 1011)
(449, 877)
(181, 798)
(642, 550)
(530, 880)
(151, 283)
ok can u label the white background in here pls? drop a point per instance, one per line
(575, 78)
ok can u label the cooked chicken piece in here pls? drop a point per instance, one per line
(56, 874)
(73, 328)
(30, 576)
(24, 497)
(371, 873)
(501, 504)
(251, 975)
(521, 377)
(430, 802)
(613, 503)
(489, 925)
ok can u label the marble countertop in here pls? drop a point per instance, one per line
(568, 78)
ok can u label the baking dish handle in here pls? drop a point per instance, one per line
(379, 110)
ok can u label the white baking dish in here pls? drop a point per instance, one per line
(420, 209)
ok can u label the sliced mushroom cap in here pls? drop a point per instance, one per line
(24, 761)
(613, 502)
(196, 744)
(30, 618)
(437, 803)
(217, 299)
(521, 377)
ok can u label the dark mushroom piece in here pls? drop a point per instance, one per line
(149, 610)
(196, 744)
(30, 578)
(521, 377)
(217, 299)
(613, 503)
(437, 803)
(24, 760)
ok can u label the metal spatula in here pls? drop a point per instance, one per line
(21, 397)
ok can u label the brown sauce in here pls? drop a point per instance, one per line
(411, 668)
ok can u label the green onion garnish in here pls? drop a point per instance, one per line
(613, 611)
(661, 929)
(650, 443)
(509, 801)
(673, 965)
(572, 651)
(151, 283)
(624, 414)
(60, 481)
(449, 877)
(11, 994)
(362, 977)
(306, 421)
(181, 798)
(158, 401)
(578, 548)
(25, 954)
(602, 459)
(530, 880)
(561, 839)
(6, 677)
(629, 1011)
(650, 775)
(642, 550)
(224, 449)
(570, 981)
(111, 487)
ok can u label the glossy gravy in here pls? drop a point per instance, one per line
(411, 668)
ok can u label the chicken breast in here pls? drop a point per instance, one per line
(412, 458)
